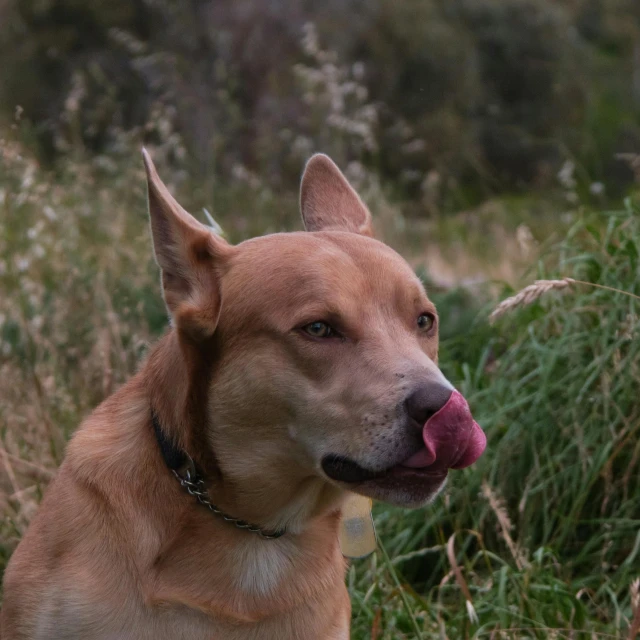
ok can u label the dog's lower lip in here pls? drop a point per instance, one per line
(348, 471)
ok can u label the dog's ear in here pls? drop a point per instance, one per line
(189, 255)
(328, 201)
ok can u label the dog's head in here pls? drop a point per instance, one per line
(326, 346)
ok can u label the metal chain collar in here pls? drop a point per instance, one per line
(194, 484)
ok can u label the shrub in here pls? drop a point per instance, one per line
(474, 97)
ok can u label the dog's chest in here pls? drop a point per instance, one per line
(258, 574)
(252, 589)
(312, 621)
(307, 624)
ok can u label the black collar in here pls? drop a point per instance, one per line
(185, 470)
(174, 458)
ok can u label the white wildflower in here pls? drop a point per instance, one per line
(471, 612)
(357, 70)
(22, 264)
(565, 175)
(50, 214)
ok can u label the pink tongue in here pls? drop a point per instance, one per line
(452, 438)
(424, 458)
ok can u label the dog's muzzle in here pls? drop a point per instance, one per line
(452, 439)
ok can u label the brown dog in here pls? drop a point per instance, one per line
(299, 367)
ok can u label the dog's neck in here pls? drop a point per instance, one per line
(184, 553)
(179, 374)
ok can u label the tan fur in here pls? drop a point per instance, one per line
(118, 550)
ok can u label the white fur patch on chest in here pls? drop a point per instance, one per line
(260, 565)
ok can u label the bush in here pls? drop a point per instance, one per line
(462, 98)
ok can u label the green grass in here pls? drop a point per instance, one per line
(540, 539)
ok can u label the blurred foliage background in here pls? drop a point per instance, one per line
(496, 141)
(450, 101)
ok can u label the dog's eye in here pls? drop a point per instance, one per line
(319, 329)
(426, 322)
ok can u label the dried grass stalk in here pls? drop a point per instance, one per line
(498, 507)
(634, 627)
(462, 583)
(540, 287)
(530, 294)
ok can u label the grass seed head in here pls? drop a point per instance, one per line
(528, 295)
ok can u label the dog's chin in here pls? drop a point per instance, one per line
(410, 491)
(398, 485)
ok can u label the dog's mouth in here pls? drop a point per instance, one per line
(348, 471)
(452, 439)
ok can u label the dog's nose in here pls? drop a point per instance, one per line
(425, 400)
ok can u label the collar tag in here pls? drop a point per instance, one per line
(357, 532)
